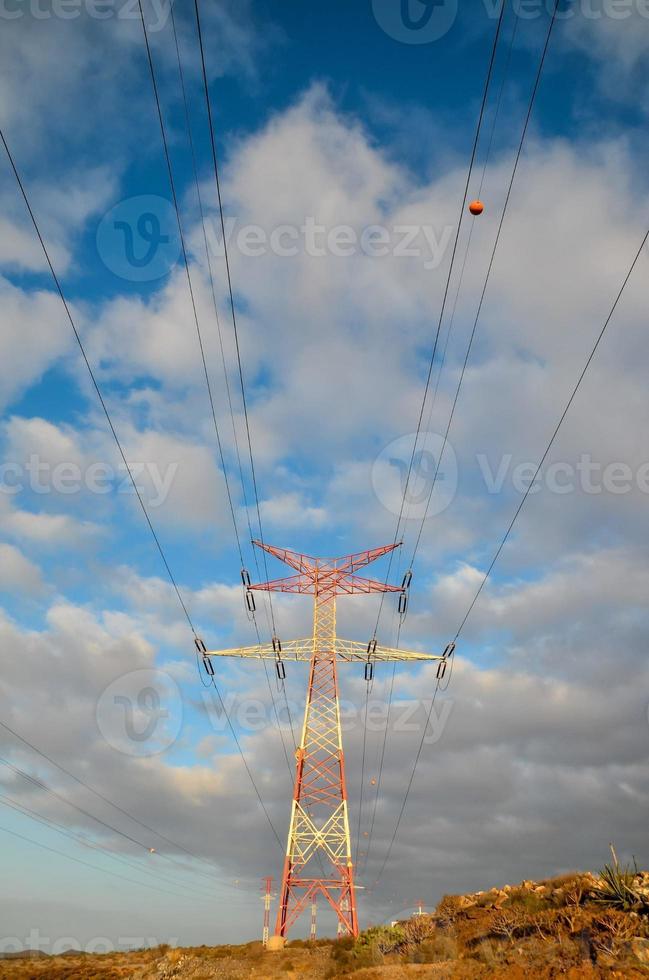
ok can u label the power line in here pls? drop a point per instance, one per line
(208, 104)
(528, 116)
(404, 499)
(18, 807)
(227, 383)
(48, 789)
(457, 392)
(408, 788)
(116, 806)
(35, 781)
(362, 784)
(118, 443)
(467, 249)
(513, 521)
(69, 857)
(386, 730)
(554, 434)
(174, 196)
(94, 382)
(381, 764)
(446, 288)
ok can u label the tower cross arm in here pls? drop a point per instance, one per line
(296, 584)
(347, 651)
(354, 651)
(355, 584)
(290, 650)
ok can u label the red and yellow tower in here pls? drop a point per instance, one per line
(318, 857)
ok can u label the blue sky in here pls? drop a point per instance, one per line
(321, 116)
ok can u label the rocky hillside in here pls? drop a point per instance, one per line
(579, 925)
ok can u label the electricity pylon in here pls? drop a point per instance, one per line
(319, 824)
(268, 895)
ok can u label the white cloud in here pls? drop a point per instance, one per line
(289, 510)
(18, 575)
(33, 335)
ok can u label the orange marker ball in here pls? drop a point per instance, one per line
(476, 207)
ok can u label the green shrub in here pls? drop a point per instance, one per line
(383, 939)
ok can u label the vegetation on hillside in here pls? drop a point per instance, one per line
(579, 925)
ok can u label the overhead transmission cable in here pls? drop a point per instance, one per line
(190, 286)
(404, 499)
(474, 150)
(528, 115)
(96, 846)
(467, 249)
(217, 182)
(485, 284)
(382, 750)
(192, 148)
(562, 417)
(105, 799)
(95, 384)
(87, 864)
(123, 455)
(41, 784)
(518, 510)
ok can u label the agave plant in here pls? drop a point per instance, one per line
(619, 889)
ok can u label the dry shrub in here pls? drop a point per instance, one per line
(418, 929)
(449, 910)
(546, 925)
(612, 930)
(510, 923)
(174, 955)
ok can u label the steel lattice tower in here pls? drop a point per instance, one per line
(318, 854)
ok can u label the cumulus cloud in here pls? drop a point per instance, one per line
(17, 574)
(33, 335)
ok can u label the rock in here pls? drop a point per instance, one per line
(640, 949)
(527, 886)
(507, 888)
(466, 901)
